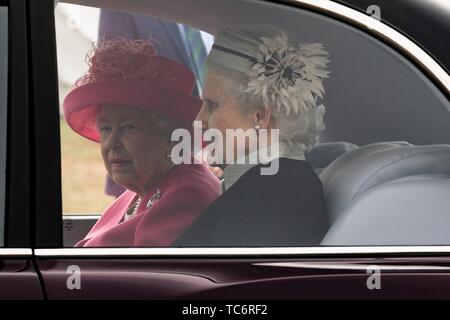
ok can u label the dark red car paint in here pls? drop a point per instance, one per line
(245, 279)
(19, 280)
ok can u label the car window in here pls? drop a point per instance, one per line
(355, 138)
(3, 112)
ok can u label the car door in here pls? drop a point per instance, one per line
(19, 278)
(383, 80)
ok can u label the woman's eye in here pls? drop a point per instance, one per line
(210, 105)
(128, 127)
(104, 129)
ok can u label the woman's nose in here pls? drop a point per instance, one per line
(203, 118)
(113, 139)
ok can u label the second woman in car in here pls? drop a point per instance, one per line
(261, 79)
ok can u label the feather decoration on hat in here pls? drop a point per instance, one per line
(288, 77)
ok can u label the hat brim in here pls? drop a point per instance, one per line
(82, 104)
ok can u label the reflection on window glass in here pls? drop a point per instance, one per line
(3, 113)
(274, 134)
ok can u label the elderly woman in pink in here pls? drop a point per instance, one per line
(130, 101)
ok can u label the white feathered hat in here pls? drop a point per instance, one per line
(286, 75)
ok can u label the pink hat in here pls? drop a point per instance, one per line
(129, 73)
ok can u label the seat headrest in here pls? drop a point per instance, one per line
(357, 171)
(324, 153)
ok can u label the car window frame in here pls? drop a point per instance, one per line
(395, 40)
(3, 114)
(46, 139)
(18, 233)
(384, 32)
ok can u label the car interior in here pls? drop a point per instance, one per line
(384, 157)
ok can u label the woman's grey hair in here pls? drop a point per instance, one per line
(297, 129)
(300, 129)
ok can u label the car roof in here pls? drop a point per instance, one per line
(426, 22)
(407, 16)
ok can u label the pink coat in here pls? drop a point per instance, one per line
(184, 194)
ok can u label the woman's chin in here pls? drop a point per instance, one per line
(123, 179)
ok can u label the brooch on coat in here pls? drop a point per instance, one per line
(155, 197)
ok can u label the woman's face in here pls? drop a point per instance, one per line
(133, 152)
(221, 110)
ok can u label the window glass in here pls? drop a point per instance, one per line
(3, 112)
(310, 132)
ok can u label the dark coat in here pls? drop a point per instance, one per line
(285, 209)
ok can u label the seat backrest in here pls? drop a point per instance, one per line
(407, 211)
(359, 170)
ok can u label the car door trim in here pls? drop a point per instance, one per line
(13, 252)
(352, 266)
(81, 216)
(257, 251)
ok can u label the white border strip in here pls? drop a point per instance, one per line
(167, 252)
(15, 252)
(375, 26)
